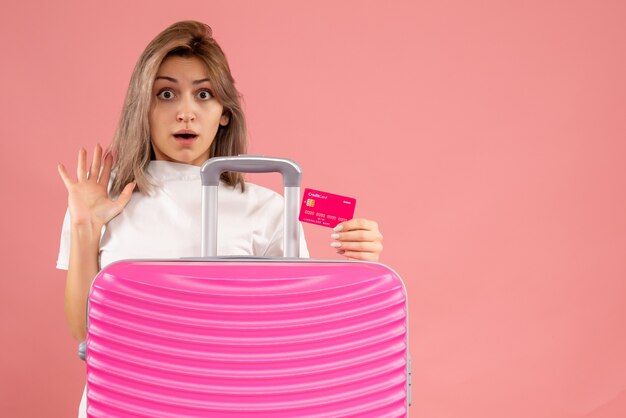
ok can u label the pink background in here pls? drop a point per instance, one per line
(488, 138)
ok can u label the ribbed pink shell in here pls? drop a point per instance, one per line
(247, 339)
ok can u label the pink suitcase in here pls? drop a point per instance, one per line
(247, 337)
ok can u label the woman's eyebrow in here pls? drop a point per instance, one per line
(173, 80)
(163, 77)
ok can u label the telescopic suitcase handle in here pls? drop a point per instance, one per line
(211, 172)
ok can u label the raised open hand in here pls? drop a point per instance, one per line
(88, 197)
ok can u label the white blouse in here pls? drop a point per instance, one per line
(166, 224)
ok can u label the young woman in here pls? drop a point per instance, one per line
(142, 199)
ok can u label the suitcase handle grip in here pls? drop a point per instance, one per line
(210, 174)
(248, 163)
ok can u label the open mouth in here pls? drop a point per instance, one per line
(185, 137)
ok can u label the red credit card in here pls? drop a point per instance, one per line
(326, 209)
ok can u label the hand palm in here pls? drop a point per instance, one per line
(89, 201)
(88, 197)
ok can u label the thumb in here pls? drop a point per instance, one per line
(126, 194)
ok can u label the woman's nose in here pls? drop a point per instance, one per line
(185, 116)
(186, 112)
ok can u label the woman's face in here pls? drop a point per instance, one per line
(184, 115)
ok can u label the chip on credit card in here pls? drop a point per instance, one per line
(326, 209)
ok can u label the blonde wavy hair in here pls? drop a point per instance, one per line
(132, 148)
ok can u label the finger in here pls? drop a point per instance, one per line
(95, 162)
(125, 196)
(81, 171)
(367, 246)
(357, 235)
(357, 224)
(67, 180)
(359, 255)
(105, 174)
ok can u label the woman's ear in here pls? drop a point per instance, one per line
(224, 119)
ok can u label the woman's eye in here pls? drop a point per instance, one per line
(204, 95)
(166, 94)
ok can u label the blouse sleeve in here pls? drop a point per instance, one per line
(63, 260)
(304, 250)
